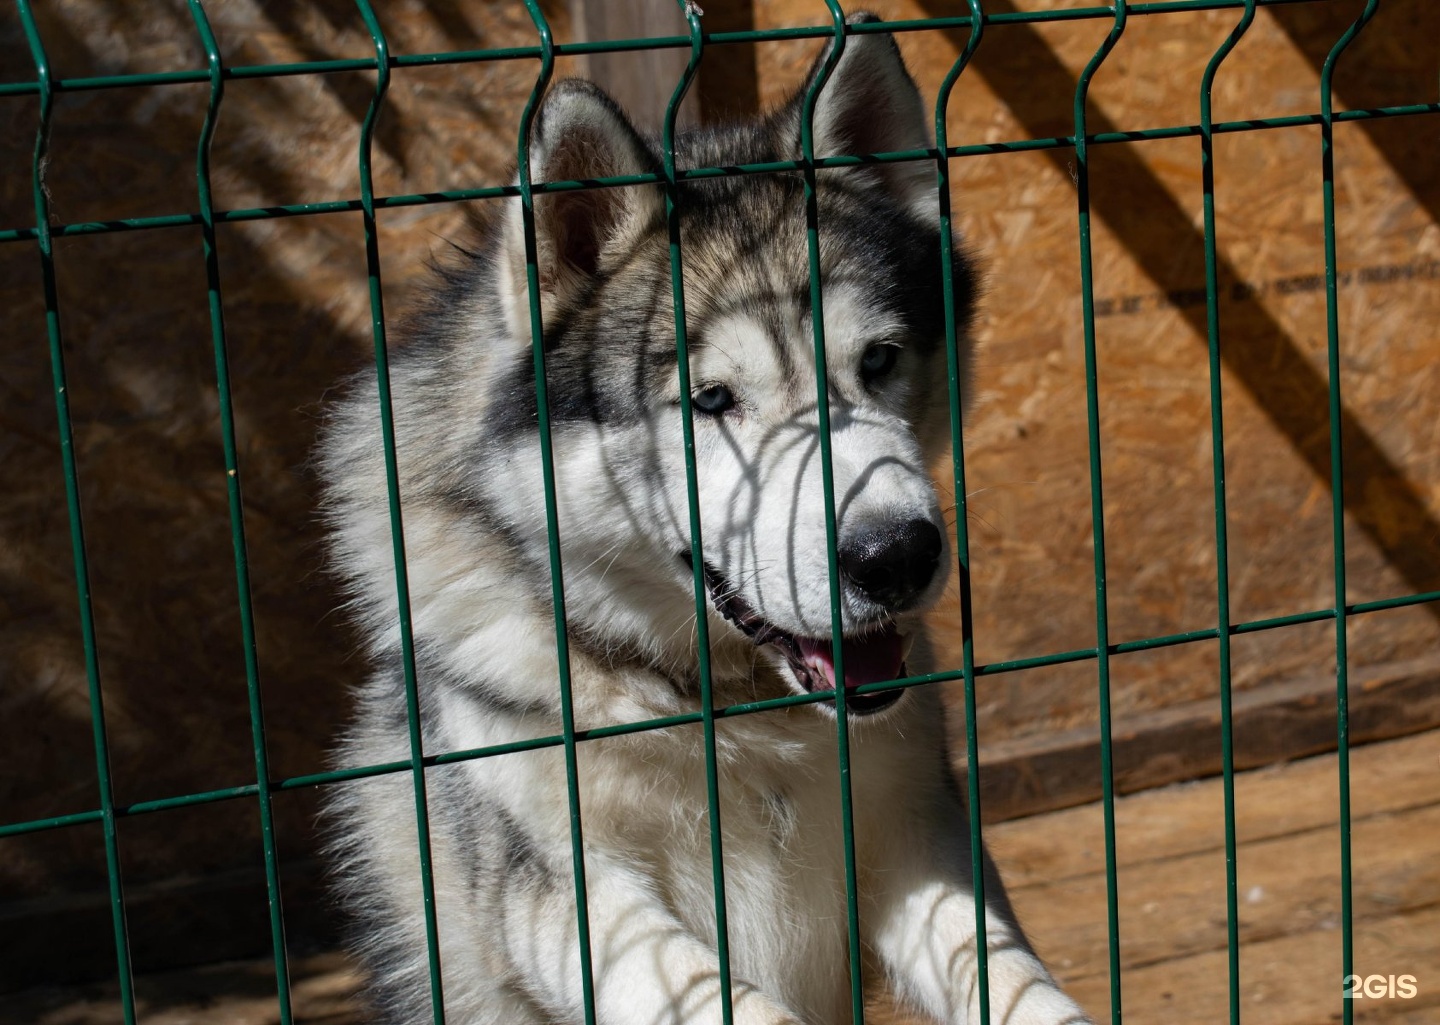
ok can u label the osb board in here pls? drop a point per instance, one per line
(1270, 723)
(1171, 884)
(1027, 458)
(147, 437)
(1170, 857)
(143, 396)
(324, 992)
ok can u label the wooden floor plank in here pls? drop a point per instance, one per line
(1175, 907)
(1289, 980)
(1274, 722)
(1172, 901)
(324, 992)
(1172, 908)
(1186, 818)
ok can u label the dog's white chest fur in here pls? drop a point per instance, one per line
(478, 534)
(784, 865)
(645, 809)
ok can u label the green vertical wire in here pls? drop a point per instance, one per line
(827, 469)
(1337, 492)
(397, 525)
(1217, 439)
(1222, 549)
(962, 512)
(1097, 498)
(77, 528)
(692, 488)
(552, 520)
(237, 514)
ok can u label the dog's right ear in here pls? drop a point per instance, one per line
(579, 134)
(870, 104)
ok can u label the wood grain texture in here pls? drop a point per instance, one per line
(641, 81)
(133, 309)
(1171, 879)
(1171, 858)
(1272, 723)
(1176, 821)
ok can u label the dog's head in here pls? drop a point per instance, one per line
(603, 265)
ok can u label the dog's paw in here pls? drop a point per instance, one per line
(1044, 1005)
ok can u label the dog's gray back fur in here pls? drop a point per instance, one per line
(479, 583)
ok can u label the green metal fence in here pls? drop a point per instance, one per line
(216, 73)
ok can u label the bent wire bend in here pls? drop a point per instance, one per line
(822, 399)
(205, 194)
(962, 529)
(72, 500)
(692, 494)
(1217, 444)
(547, 466)
(392, 484)
(1097, 495)
(1337, 490)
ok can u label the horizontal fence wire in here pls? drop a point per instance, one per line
(215, 74)
(607, 46)
(701, 173)
(693, 718)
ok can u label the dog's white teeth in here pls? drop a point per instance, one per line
(822, 671)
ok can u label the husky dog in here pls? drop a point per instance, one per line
(484, 635)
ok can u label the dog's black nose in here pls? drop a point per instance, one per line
(893, 564)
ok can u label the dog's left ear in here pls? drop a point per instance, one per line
(580, 134)
(870, 104)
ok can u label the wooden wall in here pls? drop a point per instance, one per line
(147, 440)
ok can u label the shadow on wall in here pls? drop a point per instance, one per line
(137, 335)
(1022, 68)
(143, 398)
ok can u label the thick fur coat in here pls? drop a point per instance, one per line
(485, 641)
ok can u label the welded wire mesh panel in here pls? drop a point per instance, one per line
(972, 24)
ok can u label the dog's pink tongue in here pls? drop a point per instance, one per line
(873, 658)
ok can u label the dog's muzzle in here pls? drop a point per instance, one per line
(875, 655)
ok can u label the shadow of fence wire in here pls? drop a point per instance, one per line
(137, 334)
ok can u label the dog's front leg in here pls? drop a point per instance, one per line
(923, 926)
(648, 968)
(927, 940)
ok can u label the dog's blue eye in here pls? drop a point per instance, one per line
(878, 361)
(714, 399)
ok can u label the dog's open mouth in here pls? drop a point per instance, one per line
(874, 657)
